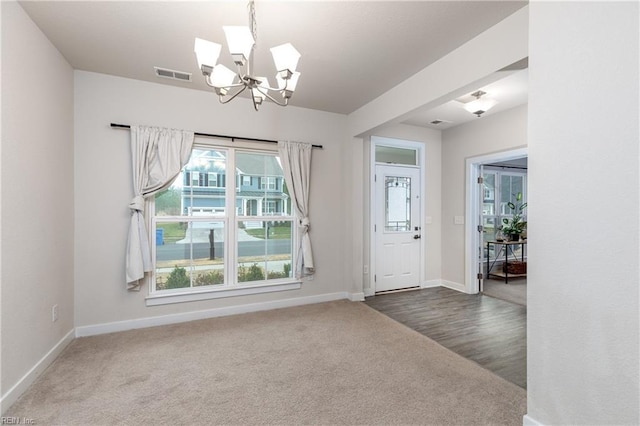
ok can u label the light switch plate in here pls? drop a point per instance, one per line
(458, 220)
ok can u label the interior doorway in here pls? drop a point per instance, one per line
(484, 219)
(397, 206)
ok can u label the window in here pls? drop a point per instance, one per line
(246, 180)
(488, 203)
(499, 188)
(212, 179)
(270, 207)
(268, 183)
(397, 196)
(273, 253)
(394, 155)
(210, 236)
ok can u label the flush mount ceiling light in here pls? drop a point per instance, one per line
(229, 84)
(480, 105)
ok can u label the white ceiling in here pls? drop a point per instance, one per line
(352, 51)
(509, 91)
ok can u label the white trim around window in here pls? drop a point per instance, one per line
(193, 296)
(227, 224)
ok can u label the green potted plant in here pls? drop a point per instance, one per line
(513, 227)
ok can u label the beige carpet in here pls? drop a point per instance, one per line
(331, 363)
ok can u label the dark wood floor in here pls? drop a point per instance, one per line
(489, 331)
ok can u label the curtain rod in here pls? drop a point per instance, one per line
(209, 135)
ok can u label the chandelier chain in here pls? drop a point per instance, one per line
(252, 20)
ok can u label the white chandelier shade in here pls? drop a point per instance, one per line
(207, 52)
(288, 86)
(242, 41)
(222, 78)
(286, 59)
(480, 105)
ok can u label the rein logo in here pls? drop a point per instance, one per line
(16, 421)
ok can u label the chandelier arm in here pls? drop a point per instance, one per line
(232, 97)
(271, 98)
(244, 70)
(274, 89)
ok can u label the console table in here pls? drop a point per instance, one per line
(509, 248)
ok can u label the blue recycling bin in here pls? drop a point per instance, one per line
(159, 236)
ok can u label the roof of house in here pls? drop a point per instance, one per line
(211, 161)
(258, 165)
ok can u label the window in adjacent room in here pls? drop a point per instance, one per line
(500, 188)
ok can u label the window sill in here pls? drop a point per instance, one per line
(166, 299)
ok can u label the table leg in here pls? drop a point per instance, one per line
(506, 264)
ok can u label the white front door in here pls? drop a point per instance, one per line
(398, 228)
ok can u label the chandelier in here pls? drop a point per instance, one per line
(229, 84)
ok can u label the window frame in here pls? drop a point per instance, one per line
(230, 219)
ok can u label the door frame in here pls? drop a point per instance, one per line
(396, 143)
(473, 213)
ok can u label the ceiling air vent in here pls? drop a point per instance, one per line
(436, 122)
(173, 74)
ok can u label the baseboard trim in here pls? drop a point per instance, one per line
(431, 283)
(27, 380)
(453, 285)
(356, 297)
(112, 327)
(529, 421)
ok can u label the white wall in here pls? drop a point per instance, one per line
(488, 134)
(354, 195)
(583, 317)
(103, 186)
(37, 196)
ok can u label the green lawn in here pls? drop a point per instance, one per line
(275, 232)
(173, 231)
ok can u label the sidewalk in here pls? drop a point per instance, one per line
(199, 233)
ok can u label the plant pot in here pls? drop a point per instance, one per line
(514, 237)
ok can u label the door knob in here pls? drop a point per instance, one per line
(417, 237)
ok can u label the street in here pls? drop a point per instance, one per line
(201, 250)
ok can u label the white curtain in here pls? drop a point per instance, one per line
(157, 156)
(296, 163)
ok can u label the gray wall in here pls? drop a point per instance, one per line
(36, 195)
(102, 215)
(583, 213)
